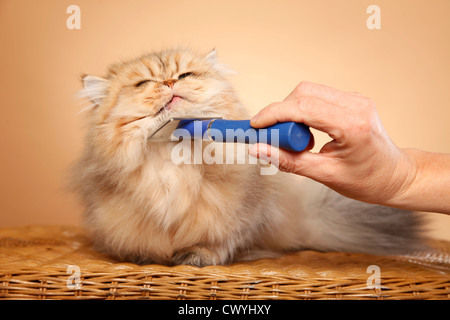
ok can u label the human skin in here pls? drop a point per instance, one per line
(361, 161)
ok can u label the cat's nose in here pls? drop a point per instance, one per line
(170, 83)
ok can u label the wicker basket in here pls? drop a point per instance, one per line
(39, 262)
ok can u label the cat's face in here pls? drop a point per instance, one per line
(160, 85)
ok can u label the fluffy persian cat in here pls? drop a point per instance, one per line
(142, 207)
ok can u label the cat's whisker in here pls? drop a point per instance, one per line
(92, 105)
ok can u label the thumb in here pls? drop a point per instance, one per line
(302, 163)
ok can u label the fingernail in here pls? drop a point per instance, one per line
(254, 119)
(253, 151)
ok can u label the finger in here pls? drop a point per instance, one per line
(303, 163)
(311, 142)
(311, 111)
(323, 92)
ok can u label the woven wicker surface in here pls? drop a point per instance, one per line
(34, 264)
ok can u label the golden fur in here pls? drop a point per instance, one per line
(142, 207)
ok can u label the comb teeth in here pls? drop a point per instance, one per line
(166, 125)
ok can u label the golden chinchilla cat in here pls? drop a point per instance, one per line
(143, 207)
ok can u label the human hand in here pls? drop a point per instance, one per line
(361, 162)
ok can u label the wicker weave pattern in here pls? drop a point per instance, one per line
(34, 265)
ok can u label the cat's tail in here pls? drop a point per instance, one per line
(337, 223)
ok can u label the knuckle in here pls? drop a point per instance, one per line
(303, 87)
(272, 107)
(268, 111)
(302, 103)
(361, 127)
(286, 166)
(368, 104)
(362, 120)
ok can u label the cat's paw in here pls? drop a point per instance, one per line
(195, 256)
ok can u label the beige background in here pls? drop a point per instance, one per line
(272, 45)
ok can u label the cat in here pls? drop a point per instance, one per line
(143, 208)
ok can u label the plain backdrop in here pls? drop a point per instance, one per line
(272, 45)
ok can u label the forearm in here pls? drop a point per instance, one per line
(428, 187)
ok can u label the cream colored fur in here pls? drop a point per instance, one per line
(141, 207)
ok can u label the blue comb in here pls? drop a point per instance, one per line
(290, 136)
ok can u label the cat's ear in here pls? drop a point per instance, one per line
(224, 70)
(95, 88)
(212, 56)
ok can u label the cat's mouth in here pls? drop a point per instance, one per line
(172, 102)
(170, 105)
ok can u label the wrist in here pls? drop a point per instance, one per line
(404, 179)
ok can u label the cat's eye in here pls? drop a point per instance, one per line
(184, 75)
(140, 83)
